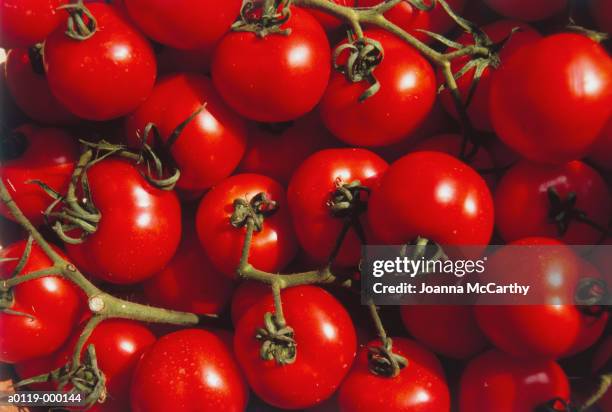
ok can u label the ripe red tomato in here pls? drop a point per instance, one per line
(312, 187)
(106, 76)
(277, 155)
(601, 10)
(411, 19)
(601, 151)
(478, 109)
(407, 93)
(271, 249)
(189, 282)
(497, 382)
(50, 305)
(444, 200)
(140, 228)
(188, 368)
(326, 345)
(119, 345)
(210, 147)
(24, 23)
(527, 10)
(458, 337)
(184, 24)
(420, 386)
(31, 92)
(32, 153)
(547, 331)
(522, 205)
(284, 85)
(553, 117)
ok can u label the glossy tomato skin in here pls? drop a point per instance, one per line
(106, 76)
(312, 187)
(140, 228)
(497, 382)
(522, 204)
(277, 155)
(189, 282)
(445, 201)
(119, 345)
(553, 117)
(412, 20)
(24, 23)
(326, 345)
(478, 109)
(420, 386)
(285, 84)
(54, 305)
(406, 96)
(50, 155)
(31, 92)
(601, 151)
(188, 368)
(271, 249)
(184, 24)
(545, 331)
(210, 146)
(527, 10)
(457, 337)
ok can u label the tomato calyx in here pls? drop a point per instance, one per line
(36, 59)
(365, 55)
(596, 36)
(81, 24)
(593, 296)
(562, 212)
(556, 405)
(278, 341)
(257, 209)
(383, 362)
(264, 17)
(12, 145)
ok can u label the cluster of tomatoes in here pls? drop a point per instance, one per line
(243, 112)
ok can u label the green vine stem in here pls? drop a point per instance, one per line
(604, 386)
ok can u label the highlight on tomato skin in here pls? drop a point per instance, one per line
(192, 193)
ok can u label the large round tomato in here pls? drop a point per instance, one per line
(527, 10)
(411, 19)
(189, 282)
(24, 23)
(31, 91)
(284, 85)
(106, 76)
(313, 186)
(478, 109)
(420, 386)
(497, 382)
(50, 308)
(325, 341)
(211, 144)
(458, 335)
(601, 151)
(407, 93)
(119, 346)
(523, 207)
(32, 153)
(278, 154)
(272, 248)
(432, 195)
(184, 24)
(549, 330)
(552, 116)
(140, 227)
(188, 368)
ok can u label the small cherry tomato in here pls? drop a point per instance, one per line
(105, 76)
(497, 382)
(30, 153)
(188, 368)
(272, 248)
(284, 85)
